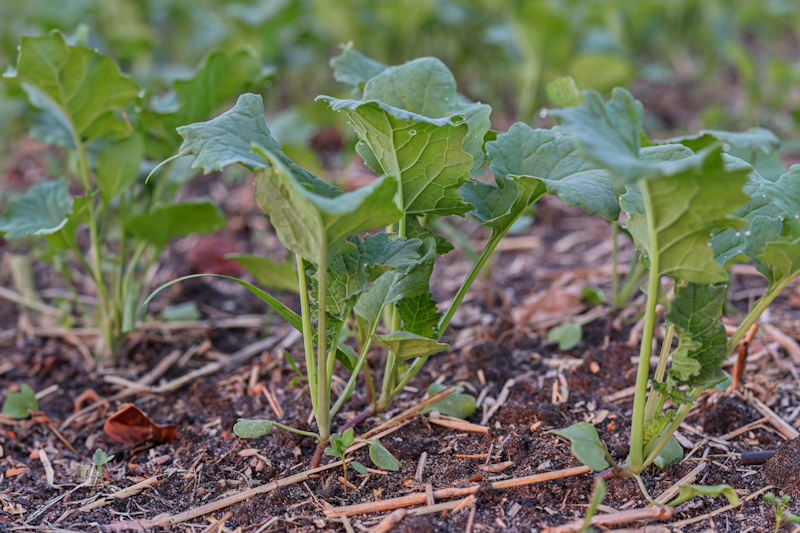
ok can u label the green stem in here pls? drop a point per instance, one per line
(351, 383)
(632, 278)
(322, 411)
(473, 273)
(308, 339)
(661, 369)
(102, 294)
(298, 431)
(646, 347)
(755, 312)
(615, 265)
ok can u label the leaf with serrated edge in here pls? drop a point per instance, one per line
(407, 345)
(85, 86)
(250, 429)
(702, 343)
(42, 210)
(586, 445)
(420, 314)
(166, 222)
(682, 209)
(354, 68)
(755, 139)
(783, 257)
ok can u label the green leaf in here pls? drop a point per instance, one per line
(100, 457)
(407, 345)
(316, 227)
(550, 162)
(598, 494)
(783, 257)
(281, 276)
(361, 469)
(414, 230)
(656, 425)
(702, 343)
(771, 213)
(348, 438)
(681, 210)
(332, 451)
(65, 237)
(586, 445)
(406, 118)
(568, 335)
(564, 93)
(165, 222)
(395, 285)
(687, 492)
(420, 315)
(181, 312)
(499, 206)
(671, 453)
(456, 404)
(42, 210)
(221, 77)
(118, 166)
(382, 457)
(755, 139)
(353, 273)
(250, 429)
(85, 87)
(17, 404)
(287, 314)
(354, 68)
(229, 139)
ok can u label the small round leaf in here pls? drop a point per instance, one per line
(250, 429)
(383, 457)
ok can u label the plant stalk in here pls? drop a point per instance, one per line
(351, 383)
(755, 312)
(308, 340)
(615, 301)
(661, 369)
(322, 410)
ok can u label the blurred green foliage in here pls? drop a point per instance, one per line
(501, 52)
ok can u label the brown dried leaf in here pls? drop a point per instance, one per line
(130, 426)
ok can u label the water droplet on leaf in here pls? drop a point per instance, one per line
(543, 112)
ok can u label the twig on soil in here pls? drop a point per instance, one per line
(616, 519)
(128, 491)
(218, 524)
(673, 491)
(498, 403)
(48, 468)
(456, 423)
(30, 303)
(744, 429)
(780, 424)
(786, 342)
(388, 523)
(411, 411)
(423, 458)
(421, 498)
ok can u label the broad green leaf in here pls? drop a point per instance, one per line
(671, 453)
(407, 345)
(586, 445)
(352, 273)
(41, 210)
(17, 404)
(250, 429)
(755, 139)
(456, 404)
(407, 118)
(354, 68)
(181, 312)
(316, 227)
(48, 124)
(568, 335)
(229, 139)
(702, 343)
(564, 93)
(394, 285)
(332, 451)
(165, 222)
(221, 77)
(85, 86)
(65, 237)
(783, 257)
(608, 133)
(499, 206)
(681, 210)
(382, 457)
(118, 166)
(687, 492)
(287, 314)
(549, 162)
(360, 468)
(771, 213)
(420, 314)
(656, 425)
(281, 276)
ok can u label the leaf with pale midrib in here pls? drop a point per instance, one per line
(42, 210)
